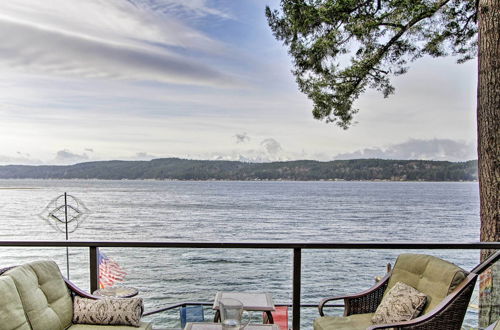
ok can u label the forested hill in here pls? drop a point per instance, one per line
(183, 169)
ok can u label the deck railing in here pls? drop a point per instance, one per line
(296, 247)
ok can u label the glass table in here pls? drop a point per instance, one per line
(116, 291)
(251, 302)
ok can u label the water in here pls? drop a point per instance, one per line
(242, 211)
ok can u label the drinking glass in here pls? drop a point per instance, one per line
(231, 312)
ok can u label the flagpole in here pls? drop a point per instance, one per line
(67, 236)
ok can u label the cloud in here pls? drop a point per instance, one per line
(89, 150)
(189, 8)
(242, 138)
(435, 149)
(247, 156)
(272, 146)
(67, 157)
(261, 155)
(21, 159)
(104, 39)
(143, 156)
(269, 150)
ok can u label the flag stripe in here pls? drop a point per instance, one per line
(109, 271)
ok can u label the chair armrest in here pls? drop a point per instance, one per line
(364, 302)
(325, 300)
(79, 292)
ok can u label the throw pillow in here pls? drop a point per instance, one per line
(401, 303)
(108, 311)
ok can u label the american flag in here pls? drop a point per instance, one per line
(109, 271)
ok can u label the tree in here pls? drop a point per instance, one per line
(382, 37)
(488, 122)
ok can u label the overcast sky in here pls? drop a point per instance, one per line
(140, 79)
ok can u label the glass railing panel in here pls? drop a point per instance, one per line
(484, 307)
(168, 276)
(78, 260)
(339, 272)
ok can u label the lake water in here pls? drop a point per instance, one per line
(236, 212)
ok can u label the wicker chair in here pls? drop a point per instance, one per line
(446, 313)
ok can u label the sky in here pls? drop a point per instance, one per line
(93, 80)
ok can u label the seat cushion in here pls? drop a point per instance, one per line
(44, 295)
(12, 315)
(142, 326)
(353, 322)
(432, 276)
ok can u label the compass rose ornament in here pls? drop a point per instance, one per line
(65, 213)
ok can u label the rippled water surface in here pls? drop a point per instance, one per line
(242, 211)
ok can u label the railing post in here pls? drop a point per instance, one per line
(297, 267)
(94, 268)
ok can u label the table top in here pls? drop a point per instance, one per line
(117, 291)
(251, 301)
(218, 326)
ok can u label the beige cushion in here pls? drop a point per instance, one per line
(353, 322)
(12, 315)
(432, 276)
(142, 326)
(401, 303)
(108, 311)
(44, 295)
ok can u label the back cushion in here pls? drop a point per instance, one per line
(44, 295)
(430, 275)
(12, 315)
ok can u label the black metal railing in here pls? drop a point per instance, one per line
(296, 247)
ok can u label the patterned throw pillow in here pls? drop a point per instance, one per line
(108, 311)
(401, 303)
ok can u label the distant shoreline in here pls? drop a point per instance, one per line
(175, 169)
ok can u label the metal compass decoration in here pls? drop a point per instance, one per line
(65, 213)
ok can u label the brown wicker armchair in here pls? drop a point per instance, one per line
(445, 313)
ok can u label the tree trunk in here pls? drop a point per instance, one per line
(488, 126)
